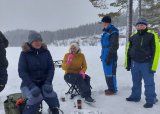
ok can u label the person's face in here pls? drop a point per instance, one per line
(73, 49)
(37, 44)
(104, 25)
(141, 27)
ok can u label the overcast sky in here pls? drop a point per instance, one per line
(46, 14)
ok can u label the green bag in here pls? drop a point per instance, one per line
(10, 103)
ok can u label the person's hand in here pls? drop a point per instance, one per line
(151, 71)
(35, 91)
(100, 58)
(47, 88)
(128, 68)
(108, 61)
(70, 58)
(82, 74)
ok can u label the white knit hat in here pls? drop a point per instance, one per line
(76, 45)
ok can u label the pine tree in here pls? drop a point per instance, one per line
(151, 11)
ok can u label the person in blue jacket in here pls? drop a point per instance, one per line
(36, 69)
(110, 45)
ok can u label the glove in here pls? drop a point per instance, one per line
(151, 71)
(128, 68)
(108, 60)
(82, 74)
(70, 58)
(31, 86)
(47, 88)
(100, 58)
(2, 87)
(35, 91)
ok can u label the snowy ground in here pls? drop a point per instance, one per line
(106, 104)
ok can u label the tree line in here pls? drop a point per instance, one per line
(17, 37)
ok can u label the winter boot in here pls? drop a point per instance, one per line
(109, 92)
(132, 99)
(148, 105)
(89, 99)
(54, 110)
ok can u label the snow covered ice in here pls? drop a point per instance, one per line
(106, 104)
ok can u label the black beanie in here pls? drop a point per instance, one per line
(106, 19)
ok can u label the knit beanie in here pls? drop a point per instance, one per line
(33, 35)
(106, 19)
(142, 21)
(76, 45)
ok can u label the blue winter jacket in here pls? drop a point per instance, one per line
(109, 42)
(35, 66)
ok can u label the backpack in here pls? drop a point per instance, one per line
(10, 103)
(15, 103)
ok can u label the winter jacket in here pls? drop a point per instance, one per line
(35, 66)
(78, 64)
(109, 43)
(3, 59)
(3, 45)
(143, 47)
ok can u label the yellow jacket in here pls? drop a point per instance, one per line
(78, 64)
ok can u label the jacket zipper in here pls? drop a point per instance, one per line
(142, 41)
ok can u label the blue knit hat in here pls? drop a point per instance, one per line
(33, 35)
(142, 21)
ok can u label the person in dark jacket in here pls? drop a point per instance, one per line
(3, 61)
(110, 45)
(36, 69)
(142, 58)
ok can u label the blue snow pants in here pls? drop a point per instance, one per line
(139, 71)
(34, 102)
(110, 74)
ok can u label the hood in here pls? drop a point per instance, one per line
(26, 47)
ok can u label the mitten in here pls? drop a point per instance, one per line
(82, 74)
(47, 88)
(70, 58)
(35, 91)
